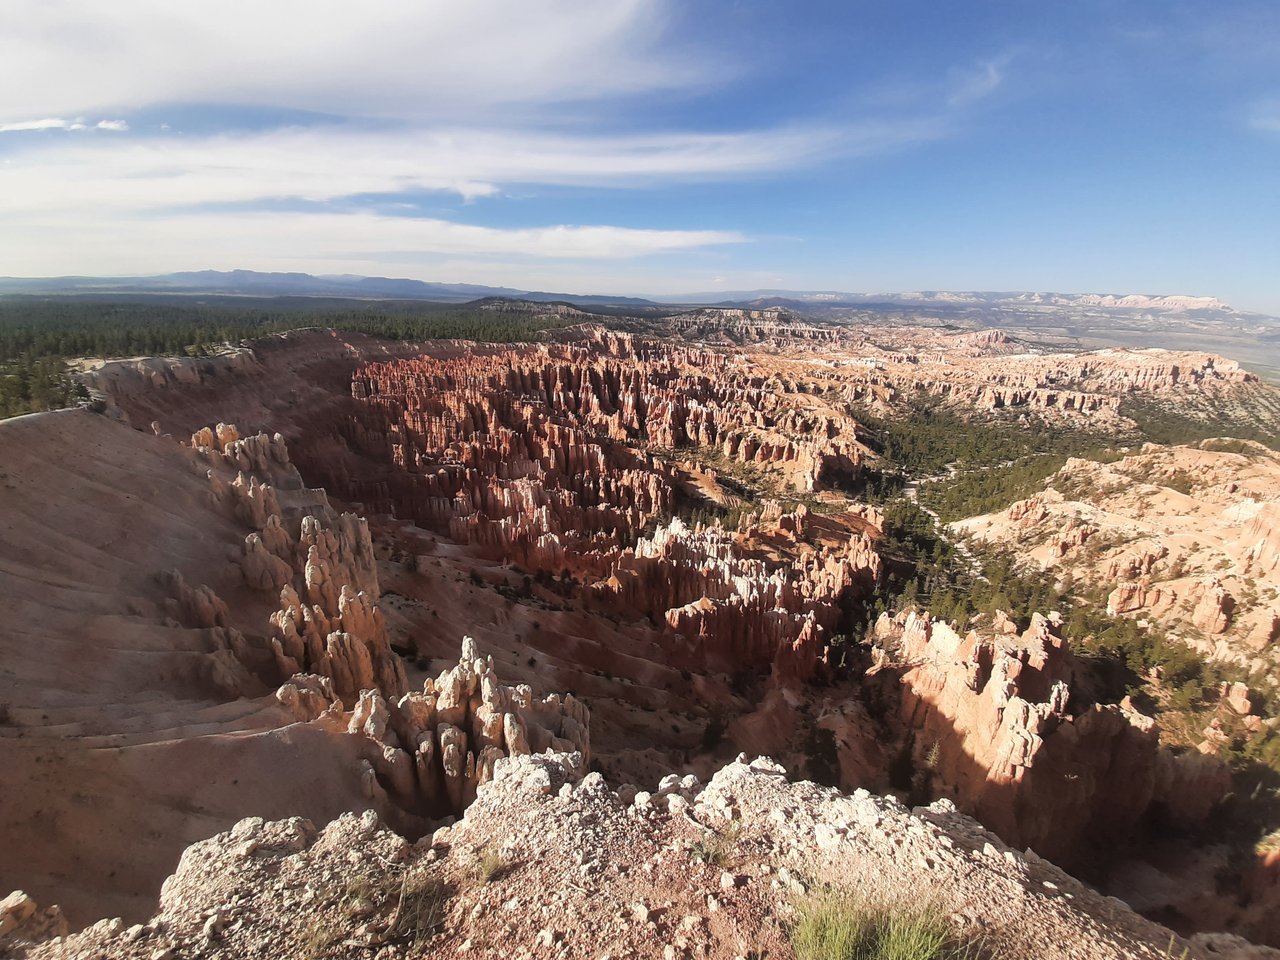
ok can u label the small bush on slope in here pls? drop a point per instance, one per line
(719, 848)
(839, 926)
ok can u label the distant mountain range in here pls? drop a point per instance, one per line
(251, 283)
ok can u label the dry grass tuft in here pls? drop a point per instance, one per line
(490, 865)
(840, 925)
(406, 905)
(421, 906)
(720, 848)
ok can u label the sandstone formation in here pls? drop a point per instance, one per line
(320, 563)
(23, 921)
(1187, 535)
(433, 749)
(544, 458)
(993, 727)
(156, 595)
(728, 610)
(1055, 385)
(544, 442)
(596, 512)
(136, 710)
(978, 370)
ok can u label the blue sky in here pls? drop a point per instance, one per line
(650, 147)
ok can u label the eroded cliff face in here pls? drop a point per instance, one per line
(572, 429)
(434, 748)
(555, 459)
(889, 368)
(993, 726)
(173, 611)
(726, 608)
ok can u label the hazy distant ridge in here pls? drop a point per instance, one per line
(254, 283)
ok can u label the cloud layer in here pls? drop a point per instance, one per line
(314, 135)
(296, 241)
(419, 99)
(388, 58)
(404, 100)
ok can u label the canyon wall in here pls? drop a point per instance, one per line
(994, 726)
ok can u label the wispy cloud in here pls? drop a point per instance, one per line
(394, 58)
(55, 123)
(322, 164)
(51, 123)
(124, 244)
(478, 100)
(977, 83)
(1265, 116)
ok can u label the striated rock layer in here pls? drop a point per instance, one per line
(525, 495)
(546, 458)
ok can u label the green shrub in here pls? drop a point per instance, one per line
(840, 926)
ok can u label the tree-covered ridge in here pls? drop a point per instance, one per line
(1160, 424)
(30, 385)
(926, 439)
(973, 492)
(71, 327)
(1125, 656)
(37, 336)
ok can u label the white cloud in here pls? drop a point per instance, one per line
(55, 123)
(389, 58)
(320, 164)
(51, 123)
(462, 97)
(337, 242)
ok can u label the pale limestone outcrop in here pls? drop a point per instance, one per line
(583, 861)
(22, 920)
(261, 455)
(1184, 536)
(1212, 612)
(309, 696)
(435, 747)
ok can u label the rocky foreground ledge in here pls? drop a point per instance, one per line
(546, 864)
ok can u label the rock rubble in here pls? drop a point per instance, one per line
(577, 869)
